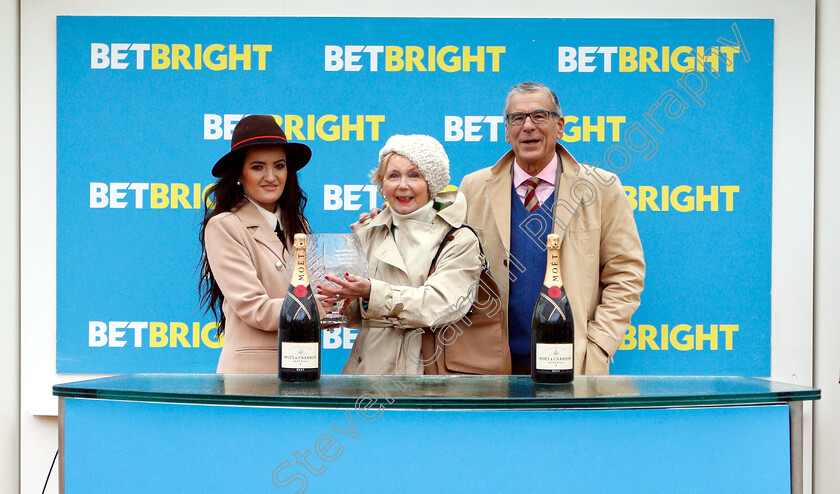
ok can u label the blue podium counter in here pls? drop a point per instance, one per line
(253, 433)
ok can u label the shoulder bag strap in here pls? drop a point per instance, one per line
(450, 236)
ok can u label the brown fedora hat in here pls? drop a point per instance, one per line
(261, 130)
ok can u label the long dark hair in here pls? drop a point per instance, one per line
(227, 194)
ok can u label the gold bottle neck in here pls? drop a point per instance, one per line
(552, 268)
(300, 276)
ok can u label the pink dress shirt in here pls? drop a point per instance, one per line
(544, 190)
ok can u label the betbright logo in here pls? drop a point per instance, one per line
(138, 334)
(121, 195)
(646, 58)
(304, 127)
(474, 128)
(355, 58)
(349, 197)
(120, 56)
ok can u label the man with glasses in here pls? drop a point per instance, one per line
(538, 188)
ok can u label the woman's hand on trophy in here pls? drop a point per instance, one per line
(349, 288)
(327, 300)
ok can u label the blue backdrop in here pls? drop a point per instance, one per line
(704, 449)
(680, 109)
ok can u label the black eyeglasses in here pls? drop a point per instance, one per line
(537, 116)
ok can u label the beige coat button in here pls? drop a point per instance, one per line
(279, 265)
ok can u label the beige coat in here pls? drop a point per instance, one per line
(248, 262)
(403, 296)
(602, 261)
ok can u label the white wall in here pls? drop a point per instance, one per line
(827, 258)
(9, 260)
(793, 272)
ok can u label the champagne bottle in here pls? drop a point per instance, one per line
(299, 331)
(552, 326)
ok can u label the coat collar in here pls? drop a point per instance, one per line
(452, 215)
(256, 224)
(499, 185)
(567, 197)
(455, 207)
(387, 250)
(569, 194)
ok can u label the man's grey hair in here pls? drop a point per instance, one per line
(534, 87)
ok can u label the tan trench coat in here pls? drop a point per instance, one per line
(402, 298)
(602, 260)
(248, 262)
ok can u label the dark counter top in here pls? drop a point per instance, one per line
(438, 392)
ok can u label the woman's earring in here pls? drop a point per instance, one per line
(238, 183)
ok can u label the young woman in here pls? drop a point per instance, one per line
(245, 240)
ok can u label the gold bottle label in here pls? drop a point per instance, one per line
(553, 279)
(300, 277)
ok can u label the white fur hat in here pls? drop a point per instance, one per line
(426, 153)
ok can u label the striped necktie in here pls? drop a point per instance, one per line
(531, 202)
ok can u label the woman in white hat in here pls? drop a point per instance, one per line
(400, 244)
(245, 240)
